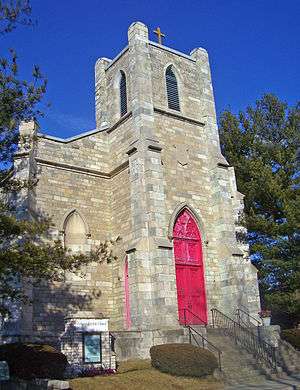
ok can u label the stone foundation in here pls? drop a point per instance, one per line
(137, 344)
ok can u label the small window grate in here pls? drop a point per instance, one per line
(172, 90)
(123, 94)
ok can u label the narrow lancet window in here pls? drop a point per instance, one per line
(123, 94)
(75, 232)
(172, 89)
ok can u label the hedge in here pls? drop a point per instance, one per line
(28, 361)
(183, 360)
(292, 336)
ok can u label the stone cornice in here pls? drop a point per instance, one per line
(74, 138)
(178, 53)
(108, 129)
(113, 61)
(119, 122)
(178, 116)
(18, 155)
(83, 170)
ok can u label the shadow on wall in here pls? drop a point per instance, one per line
(52, 303)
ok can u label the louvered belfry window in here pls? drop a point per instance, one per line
(172, 89)
(123, 94)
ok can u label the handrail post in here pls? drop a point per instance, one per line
(274, 357)
(213, 317)
(234, 333)
(184, 315)
(220, 367)
(238, 315)
(190, 335)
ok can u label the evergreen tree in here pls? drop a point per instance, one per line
(263, 144)
(27, 254)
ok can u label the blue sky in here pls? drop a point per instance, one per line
(254, 47)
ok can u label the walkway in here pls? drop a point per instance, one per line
(290, 383)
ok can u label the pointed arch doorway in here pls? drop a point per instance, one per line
(190, 282)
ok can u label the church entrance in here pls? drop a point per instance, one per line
(190, 283)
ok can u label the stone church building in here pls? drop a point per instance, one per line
(152, 175)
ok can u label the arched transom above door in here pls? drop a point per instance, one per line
(187, 240)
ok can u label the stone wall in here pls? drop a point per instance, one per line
(129, 178)
(137, 344)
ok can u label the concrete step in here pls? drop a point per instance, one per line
(267, 385)
(237, 364)
(242, 371)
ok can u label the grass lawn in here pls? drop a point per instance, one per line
(139, 375)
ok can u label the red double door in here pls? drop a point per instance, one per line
(192, 308)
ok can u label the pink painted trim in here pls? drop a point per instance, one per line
(127, 319)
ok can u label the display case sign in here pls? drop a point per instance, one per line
(92, 348)
(90, 325)
(4, 371)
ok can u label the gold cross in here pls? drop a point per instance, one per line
(159, 35)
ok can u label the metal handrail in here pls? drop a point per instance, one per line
(245, 337)
(205, 343)
(193, 314)
(112, 340)
(239, 316)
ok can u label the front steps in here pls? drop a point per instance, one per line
(242, 371)
(238, 365)
(275, 384)
(288, 358)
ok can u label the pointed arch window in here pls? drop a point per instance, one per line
(172, 89)
(75, 237)
(123, 94)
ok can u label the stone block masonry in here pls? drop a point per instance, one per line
(131, 178)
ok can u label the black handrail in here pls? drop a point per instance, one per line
(112, 340)
(202, 322)
(240, 312)
(205, 343)
(243, 336)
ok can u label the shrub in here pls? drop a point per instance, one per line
(28, 361)
(292, 336)
(183, 359)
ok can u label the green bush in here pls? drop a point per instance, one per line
(292, 336)
(183, 360)
(28, 361)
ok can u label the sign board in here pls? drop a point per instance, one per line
(92, 348)
(4, 371)
(90, 325)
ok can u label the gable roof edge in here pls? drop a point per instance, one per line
(74, 138)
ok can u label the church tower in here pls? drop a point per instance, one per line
(152, 174)
(159, 103)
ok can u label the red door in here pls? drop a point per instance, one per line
(189, 270)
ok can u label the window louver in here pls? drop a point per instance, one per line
(172, 90)
(123, 94)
